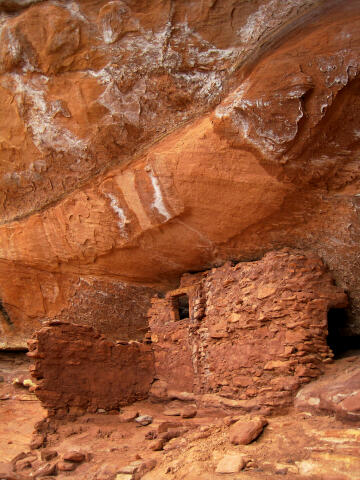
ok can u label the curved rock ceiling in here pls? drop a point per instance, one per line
(143, 139)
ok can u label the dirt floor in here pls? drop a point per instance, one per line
(292, 446)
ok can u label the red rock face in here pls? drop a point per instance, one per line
(256, 331)
(116, 308)
(337, 393)
(143, 140)
(79, 370)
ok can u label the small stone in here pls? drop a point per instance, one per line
(230, 420)
(128, 416)
(183, 396)
(48, 455)
(144, 420)
(231, 463)
(23, 465)
(28, 383)
(243, 433)
(66, 466)
(164, 426)
(132, 468)
(45, 470)
(174, 444)
(101, 410)
(157, 445)
(189, 412)
(37, 442)
(74, 456)
(124, 476)
(172, 412)
(137, 469)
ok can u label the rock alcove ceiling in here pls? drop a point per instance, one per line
(141, 140)
(146, 145)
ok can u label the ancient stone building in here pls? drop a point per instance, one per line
(77, 369)
(253, 332)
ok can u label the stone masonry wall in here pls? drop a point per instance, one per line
(256, 332)
(79, 370)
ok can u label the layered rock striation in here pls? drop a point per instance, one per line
(143, 140)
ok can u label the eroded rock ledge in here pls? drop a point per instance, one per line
(197, 144)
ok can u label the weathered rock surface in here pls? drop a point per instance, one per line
(141, 140)
(118, 309)
(230, 464)
(335, 393)
(244, 432)
(78, 370)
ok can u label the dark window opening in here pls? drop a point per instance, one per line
(183, 305)
(339, 340)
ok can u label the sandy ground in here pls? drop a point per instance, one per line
(293, 446)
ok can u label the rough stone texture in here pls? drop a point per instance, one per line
(230, 464)
(102, 79)
(171, 346)
(245, 432)
(30, 297)
(335, 393)
(142, 140)
(256, 332)
(77, 369)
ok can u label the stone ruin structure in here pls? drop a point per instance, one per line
(78, 370)
(245, 336)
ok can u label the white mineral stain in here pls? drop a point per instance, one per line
(158, 202)
(119, 212)
(272, 13)
(39, 118)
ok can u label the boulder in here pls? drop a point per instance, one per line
(244, 432)
(336, 393)
(231, 463)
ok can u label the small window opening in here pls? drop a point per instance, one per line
(341, 343)
(183, 305)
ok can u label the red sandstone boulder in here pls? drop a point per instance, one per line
(335, 393)
(136, 470)
(244, 432)
(231, 463)
(66, 466)
(74, 456)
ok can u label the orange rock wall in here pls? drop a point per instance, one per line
(257, 330)
(142, 140)
(30, 297)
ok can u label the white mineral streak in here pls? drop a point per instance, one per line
(119, 212)
(14, 49)
(158, 202)
(271, 14)
(149, 51)
(125, 105)
(39, 117)
(74, 10)
(233, 101)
